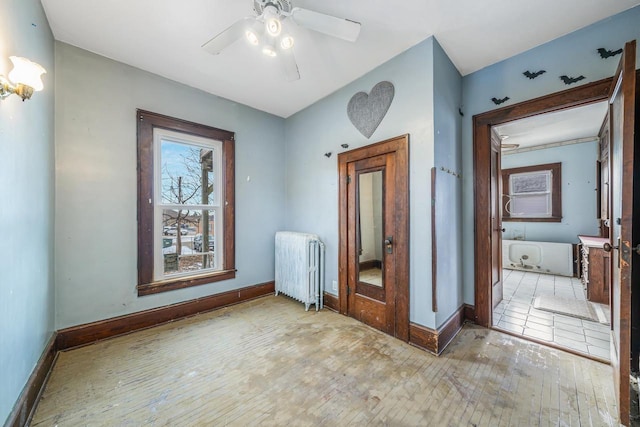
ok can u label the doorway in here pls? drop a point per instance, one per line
(622, 95)
(374, 233)
(550, 222)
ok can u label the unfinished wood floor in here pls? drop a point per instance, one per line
(270, 362)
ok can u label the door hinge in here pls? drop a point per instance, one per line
(348, 179)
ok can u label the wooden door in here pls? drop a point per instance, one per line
(622, 127)
(496, 224)
(371, 286)
(374, 274)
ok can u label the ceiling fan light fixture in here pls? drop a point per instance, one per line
(252, 37)
(286, 42)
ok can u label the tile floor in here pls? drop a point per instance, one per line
(516, 313)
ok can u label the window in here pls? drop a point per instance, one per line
(185, 204)
(532, 193)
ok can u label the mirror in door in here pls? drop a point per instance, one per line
(370, 228)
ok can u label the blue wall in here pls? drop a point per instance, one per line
(579, 182)
(424, 79)
(312, 187)
(573, 55)
(447, 98)
(96, 261)
(26, 210)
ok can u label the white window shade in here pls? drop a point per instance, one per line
(530, 194)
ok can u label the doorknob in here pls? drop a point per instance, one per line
(607, 248)
(388, 242)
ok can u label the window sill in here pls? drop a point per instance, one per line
(184, 282)
(546, 219)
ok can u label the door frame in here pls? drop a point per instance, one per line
(482, 123)
(400, 146)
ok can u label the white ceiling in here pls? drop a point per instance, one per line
(566, 126)
(165, 38)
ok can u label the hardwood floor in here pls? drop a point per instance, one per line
(269, 362)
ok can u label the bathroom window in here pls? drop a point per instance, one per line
(532, 193)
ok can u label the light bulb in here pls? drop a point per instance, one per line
(252, 37)
(273, 26)
(269, 51)
(286, 42)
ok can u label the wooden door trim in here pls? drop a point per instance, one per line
(482, 123)
(400, 146)
(621, 364)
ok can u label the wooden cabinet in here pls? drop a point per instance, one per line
(596, 268)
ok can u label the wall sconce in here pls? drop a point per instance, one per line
(25, 77)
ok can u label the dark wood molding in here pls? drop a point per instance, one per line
(423, 337)
(26, 403)
(146, 123)
(331, 302)
(434, 245)
(469, 313)
(435, 341)
(103, 329)
(482, 123)
(400, 146)
(170, 285)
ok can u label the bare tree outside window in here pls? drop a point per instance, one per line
(187, 180)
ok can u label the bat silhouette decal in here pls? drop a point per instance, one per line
(604, 53)
(570, 80)
(532, 76)
(500, 101)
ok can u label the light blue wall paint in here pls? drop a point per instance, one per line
(579, 182)
(447, 97)
(26, 210)
(312, 187)
(96, 101)
(574, 54)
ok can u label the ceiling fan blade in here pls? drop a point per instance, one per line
(326, 24)
(228, 36)
(290, 65)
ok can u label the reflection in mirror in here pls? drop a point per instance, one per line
(370, 225)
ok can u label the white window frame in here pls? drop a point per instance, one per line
(216, 205)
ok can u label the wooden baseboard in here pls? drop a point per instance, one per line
(331, 302)
(374, 263)
(469, 313)
(103, 329)
(435, 341)
(26, 403)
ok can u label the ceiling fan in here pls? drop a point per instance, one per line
(270, 30)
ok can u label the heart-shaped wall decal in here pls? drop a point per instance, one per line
(366, 111)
